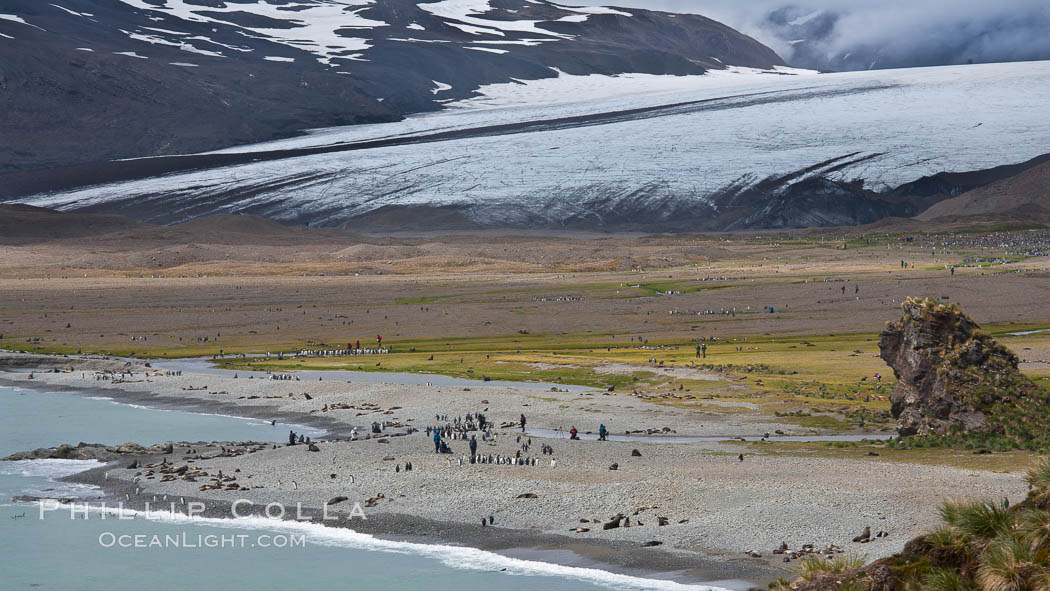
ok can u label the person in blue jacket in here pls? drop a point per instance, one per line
(437, 441)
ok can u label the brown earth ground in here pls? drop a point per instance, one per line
(601, 310)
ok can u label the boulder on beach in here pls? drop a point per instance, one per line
(130, 448)
(161, 448)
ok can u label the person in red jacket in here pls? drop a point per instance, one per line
(379, 340)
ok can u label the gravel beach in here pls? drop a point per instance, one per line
(715, 505)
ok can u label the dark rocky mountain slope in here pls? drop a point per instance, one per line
(93, 80)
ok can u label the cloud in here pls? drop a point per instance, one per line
(892, 33)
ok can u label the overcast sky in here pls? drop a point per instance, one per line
(923, 30)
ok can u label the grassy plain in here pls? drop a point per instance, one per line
(791, 322)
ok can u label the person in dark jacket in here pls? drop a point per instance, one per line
(522, 422)
(473, 448)
(602, 432)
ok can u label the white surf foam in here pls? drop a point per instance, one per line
(47, 468)
(51, 470)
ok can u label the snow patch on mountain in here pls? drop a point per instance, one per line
(18, 19)
(314, 27)
(184, 46)
(72, 12)
(592, 10)
(466, 11)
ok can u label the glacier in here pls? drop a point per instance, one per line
(540, 152)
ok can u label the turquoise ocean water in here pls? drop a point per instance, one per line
(62, 553)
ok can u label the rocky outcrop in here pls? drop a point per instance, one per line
(89, 451)
(952, 377)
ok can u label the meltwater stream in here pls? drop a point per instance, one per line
(61, 553)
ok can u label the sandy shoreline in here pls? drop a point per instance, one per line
(716, 506)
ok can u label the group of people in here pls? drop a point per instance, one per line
(459, 428)
(440, 447)
(603, 433)
(856, 289)
(294, 438)
(701, 350)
